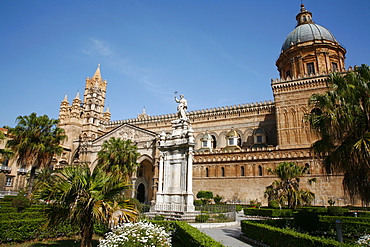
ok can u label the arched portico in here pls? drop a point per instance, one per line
(143, 180)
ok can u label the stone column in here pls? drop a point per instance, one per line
(160, 175)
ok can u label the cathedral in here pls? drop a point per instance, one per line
(234, 145)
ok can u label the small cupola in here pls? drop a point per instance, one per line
(259, 138)
(233, 140)
(206, 142)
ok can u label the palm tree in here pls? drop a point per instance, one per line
(286, 190)
(118, 156)
(3, 151)
(35, 140)
(84, 197)
(341, 120)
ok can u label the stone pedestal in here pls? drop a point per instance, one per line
(175, 199)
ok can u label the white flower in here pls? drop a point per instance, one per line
(137, 234)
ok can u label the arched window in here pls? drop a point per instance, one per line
(222, 172)
(140, 171)
(259, 138)
(260, 170)
(214, 144)
(242, 171)
(207, 172)
(310, 68)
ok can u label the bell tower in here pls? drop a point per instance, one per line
(94, 100)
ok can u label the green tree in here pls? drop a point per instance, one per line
(205, 196)
(35, 140)
(3, 151)
(84, 197)
(21, 202)
(341, 120)
(118, 156)
(286, 191)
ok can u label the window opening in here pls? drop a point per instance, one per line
(334, 66)
(310, 68)
(214, 144)
(259, 170)
(8, 181)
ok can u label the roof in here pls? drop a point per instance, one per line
(307, 32)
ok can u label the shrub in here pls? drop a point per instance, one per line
(7, 198)
(306, 220)
(137, 234)
(30, 229)
(158, 217)
(21, 202)
(101, 229)
(331, 202)
(268, 212)
(205, 196)
(217, 199)
(274, 204)
(335, 211)
(238, 208)
(353, 228)
(318, 210)
(202, 218)
(221, 217)
(198, 202)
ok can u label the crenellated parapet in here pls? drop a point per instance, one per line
(217, 112)
(293, 83)
(298, 84)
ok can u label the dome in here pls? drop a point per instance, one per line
(232, 133)
(206, 137)
(307, 32)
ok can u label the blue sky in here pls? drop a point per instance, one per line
(216, 53)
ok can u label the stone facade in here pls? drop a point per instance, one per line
(234, 145)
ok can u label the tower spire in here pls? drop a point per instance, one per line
(97, 74)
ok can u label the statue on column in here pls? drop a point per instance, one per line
(182, 107)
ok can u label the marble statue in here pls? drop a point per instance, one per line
(182, 107)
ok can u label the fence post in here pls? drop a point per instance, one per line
(339, 227)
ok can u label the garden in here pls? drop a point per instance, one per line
(308, 226)
(24, 223)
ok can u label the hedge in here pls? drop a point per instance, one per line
(269, 212)
(284, 237)
(352, 228)
(318, 210)
(344, 219)
(193, 236)
(23, 216)
(33, 208)
(26, 230)
(187, 235)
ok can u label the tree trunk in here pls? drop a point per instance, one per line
(87, 234)
(30, 182)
